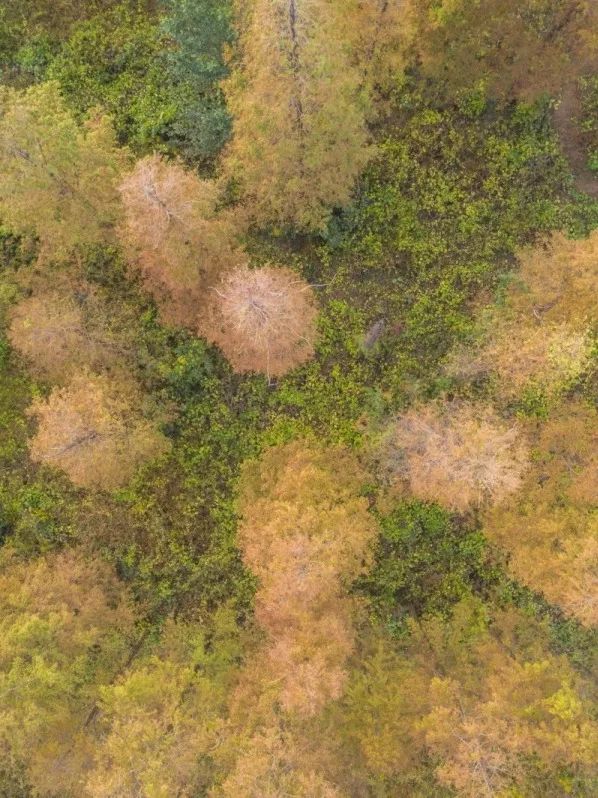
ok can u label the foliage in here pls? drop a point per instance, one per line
(200, 31)
(425, 562)
(299, 137)
(59, 180)
(263, 319)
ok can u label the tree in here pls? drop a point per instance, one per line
(262, 319)
(160, 721)
(200, 31)
(61, 331)
(516, 48)
(59, 180)
(299, 136)
(65, 628)
(556, 281)
(456, 454)
(550, 528)
(90, 430)
(480, 699)
(305, 534)
(180, 243)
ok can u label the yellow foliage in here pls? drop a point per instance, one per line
(297, 99)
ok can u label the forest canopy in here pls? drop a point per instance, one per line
(298, 398)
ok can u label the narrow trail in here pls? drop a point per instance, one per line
(566, 117)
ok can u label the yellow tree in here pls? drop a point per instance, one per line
(92, 430)
(66, 627)
(456, 454)
(299, 134)
(160, 720)
(484, 703)
(262, 319)
(59, 180)
(175, 236)
(550, 528)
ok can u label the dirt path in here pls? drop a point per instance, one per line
(566, 120)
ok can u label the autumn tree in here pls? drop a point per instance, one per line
(305, 533)
(550, 529)
(482, 700)
(63, 329)
(262, 319)
(176, 237)
(159, 721)
(92, 430)
(515, 48)
(540, 338)
(456, 454)
(299, 136)
(556, 281)
(66, 627)
(59, 180)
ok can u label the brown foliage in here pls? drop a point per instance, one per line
(62, 330)
(90, 430)
(176, 238)
(557, 281)
(262, 319)
(305, 534)
(456, 454)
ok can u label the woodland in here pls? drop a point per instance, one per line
(298, 398)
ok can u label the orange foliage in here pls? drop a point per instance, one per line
(552, 540)
(90, 430)
(456, 454)
(176, 238)
(305, 534)
(263, 319)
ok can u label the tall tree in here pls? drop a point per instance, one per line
(200, 32)
(59, 180)
(263, 319)
(305, 534)
(299, 135)
(179, 242)
(92, 430)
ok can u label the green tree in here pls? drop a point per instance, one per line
(200, 31)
